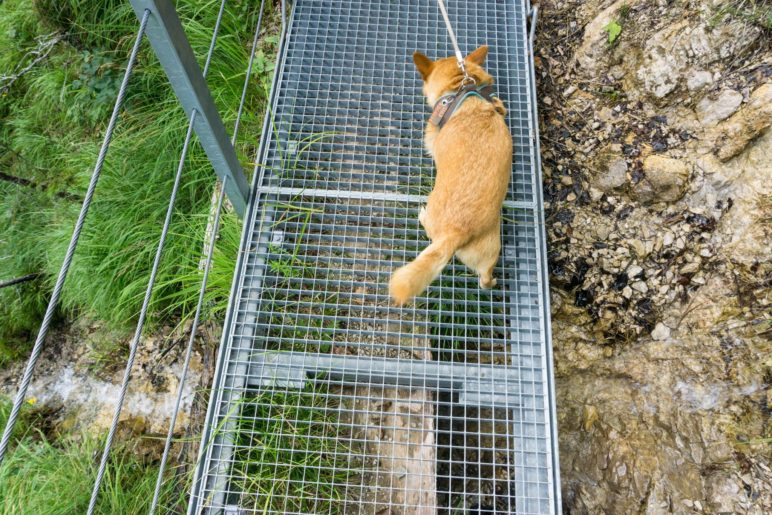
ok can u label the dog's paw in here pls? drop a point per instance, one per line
(487, 284)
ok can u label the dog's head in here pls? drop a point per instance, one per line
(444, 76)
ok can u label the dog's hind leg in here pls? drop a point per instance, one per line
(481, 256)
(423, 219)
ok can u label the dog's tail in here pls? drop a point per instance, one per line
(413, 278)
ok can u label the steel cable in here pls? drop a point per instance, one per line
(210, 253)
(54, 301)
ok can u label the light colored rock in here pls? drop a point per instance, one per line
(698, 80)
(674, 51)
(668, 239)
(690, 268)
(733, 135)
(640, 248)
(660, 332)
(634, 270)
(602, 231)
(665, 180)
(615, 176)
(640, 286)
(663, 62)
(593, 54)
(661, 77)
(710, 111)
(746, 180)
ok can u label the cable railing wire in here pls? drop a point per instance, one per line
(54, 301)
(148, 295)
(202, 292)
(249, 73)
(207, 266)
(189, 351)
(202, 452)
(141, 321)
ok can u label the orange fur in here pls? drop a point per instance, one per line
(473, 155)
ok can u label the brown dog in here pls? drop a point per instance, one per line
(473, 154)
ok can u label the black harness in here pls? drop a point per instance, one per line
(447, 104)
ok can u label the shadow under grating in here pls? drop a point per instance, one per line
(327, 398)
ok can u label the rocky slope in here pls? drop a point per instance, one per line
(658, 175)
(78, 376)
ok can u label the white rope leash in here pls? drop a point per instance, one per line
(459, 55)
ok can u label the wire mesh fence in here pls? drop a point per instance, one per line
(327, 398)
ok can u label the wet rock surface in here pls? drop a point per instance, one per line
(658, 185)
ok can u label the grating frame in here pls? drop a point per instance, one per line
(317, 369)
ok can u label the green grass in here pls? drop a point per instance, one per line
(754, 12)
(290, 455)
(42, 477)
(51, 124)
(107, 352)
(39, 475)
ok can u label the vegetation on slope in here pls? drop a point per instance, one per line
(55, 477)
(61, 65)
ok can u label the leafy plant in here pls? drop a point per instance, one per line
(99, 75)
(614, 29)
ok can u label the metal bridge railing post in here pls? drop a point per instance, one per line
(167, 37)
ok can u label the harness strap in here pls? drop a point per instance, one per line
(447, 105)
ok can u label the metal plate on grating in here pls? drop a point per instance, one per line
(327, 398)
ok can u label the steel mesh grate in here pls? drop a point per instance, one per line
(327, 398)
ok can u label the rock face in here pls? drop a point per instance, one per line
(664, 180)
(658, 177)
(711, 111)
(671, 53)
(595, 43)
(614, 177)
(733, 135)
(84, 397)
(698, 80)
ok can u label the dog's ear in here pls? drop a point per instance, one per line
(423, 64)
(478, 56)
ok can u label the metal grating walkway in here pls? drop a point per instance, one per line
(314, 356)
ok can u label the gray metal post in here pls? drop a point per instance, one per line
(170, 44)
